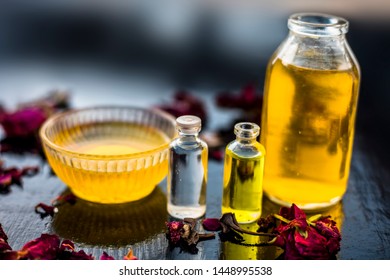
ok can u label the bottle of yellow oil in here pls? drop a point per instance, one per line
(243, 174)
(308, 118)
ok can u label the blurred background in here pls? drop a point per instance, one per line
(141, 52)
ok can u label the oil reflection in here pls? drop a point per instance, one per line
(112, 224)
(247, 251)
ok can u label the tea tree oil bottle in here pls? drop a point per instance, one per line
(243, 174)
(187, 174)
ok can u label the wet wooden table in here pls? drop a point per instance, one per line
(363, 215)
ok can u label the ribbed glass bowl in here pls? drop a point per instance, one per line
(109, 154)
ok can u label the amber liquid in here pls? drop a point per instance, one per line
(308, 129)
(116, 181)
(242, 186)
(233, 251)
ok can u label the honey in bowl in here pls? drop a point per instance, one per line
(109, 160)
(111, 139)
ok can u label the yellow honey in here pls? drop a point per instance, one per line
(110, 162)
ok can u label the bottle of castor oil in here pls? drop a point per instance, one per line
(243, 174)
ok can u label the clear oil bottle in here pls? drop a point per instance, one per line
(187, 175)
(243, 174)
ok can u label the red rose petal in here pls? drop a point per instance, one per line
(45, 247)
(174, 231)
(45, 210)
(106, 256)
(23, 123)
(212, 224)
(184, 103)
(78, 255)
(301, 240)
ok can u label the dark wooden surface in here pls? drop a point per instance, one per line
(363, 215)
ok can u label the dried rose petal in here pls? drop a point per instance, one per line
(267, 223)
(212, 224)
(67, 198)
(106, 257)
(305, 239)
(184, 235)
(16, 175)
(13, 175)
(45, 247)
(2, 234)
(20, 145)
(327, 227)
(130, 256)
(67, 245)
(4, 246)
(174, 231)
(45, 210)
(76, 255)
(295, 215)
(5, 182)
(314, 246)
(30, 171)
(217, 155)
(10, 255)
(23, 123)
(2, 112)
(185, 104)
(246, 99)
(21, 126)
(67, 252)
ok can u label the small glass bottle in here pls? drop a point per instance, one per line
(187, 175)
(243, 174)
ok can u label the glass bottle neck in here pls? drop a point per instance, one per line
(317, 25)
(245, 141)
(188, 138)
(316, 52)
(307, 37)
(246, 132)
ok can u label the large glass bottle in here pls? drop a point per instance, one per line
(308, 119)
(243, 174)
(187, 174)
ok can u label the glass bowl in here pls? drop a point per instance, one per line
(109, 154)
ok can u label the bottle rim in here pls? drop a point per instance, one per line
(317, 24)
(246, 130)
(189, 124)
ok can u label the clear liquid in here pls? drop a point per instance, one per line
(242, 187)
(308, 130)
(187, 179)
